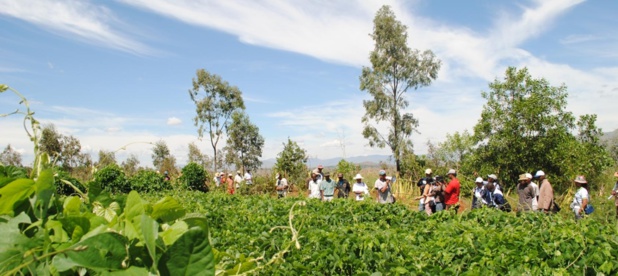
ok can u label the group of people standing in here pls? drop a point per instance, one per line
(233, 182)
(437, 193)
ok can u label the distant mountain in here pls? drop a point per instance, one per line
(610, 136)
(364, 161)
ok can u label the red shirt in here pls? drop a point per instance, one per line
(451, 193)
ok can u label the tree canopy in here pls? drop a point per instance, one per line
(244, 143)
(395, 68)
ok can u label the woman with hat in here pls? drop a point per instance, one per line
(581, 198)
(478, 194)
(360, 188)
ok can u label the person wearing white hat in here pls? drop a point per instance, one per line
(428, 179)
(546, 194)
(478, 194)
(582, 198)
(535, 187)
(359, 188)
(493, 179)
(526, 194)
(237, 179)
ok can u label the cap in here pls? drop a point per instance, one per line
(382, 172)
(229, 174)
(339, 175)
(522, 177)
(539, 173)
(320, 167)
(479, 180)
(326, 174)
(528, 175)
(451, 171)
(316, 171)
(428, 171)
(581, 179)
(238, 172)
(492, 176)
(358, 176)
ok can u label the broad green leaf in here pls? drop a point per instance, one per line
(109, 213)
(134, 207)
(150, 230)
(94, 190)
(59, 235)
(72, 206)
(103, 251)
(131, 271)
(171, 234)
(132, 231)
(191, 254)
(167, 210)
(242, 267)
(44, 188)
(14, 193)
(72, 222)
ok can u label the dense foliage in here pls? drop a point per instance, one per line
(112, 179)
(360, 238)
(67, 185)
(148, 181)
(291, 162)
(194, 177)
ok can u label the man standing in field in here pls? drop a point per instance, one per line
(526, 194)
(313, 188)
(383, 186)
(615, 194)
(546, 194)
(230, 184)
(343, 186)
(282, 186)
(237, 179)
(248, 177)
(451, 192)
(327, 188)
(320, 173)
(493, 179)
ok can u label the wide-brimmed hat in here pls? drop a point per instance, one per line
(428, 171)
(492, 176)
(479, 180)
(580, 179)
(358, 176)
(522, 177)
(451, 171)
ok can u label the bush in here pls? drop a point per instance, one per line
(112, 179)
(194, 177)
(65, 189)
(148, 181)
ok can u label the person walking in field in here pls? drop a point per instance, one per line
(248, 178)
(313, 190)
(327, 188)
(535, 187)
(478, 194)
(230, 184)
(360, 189)
(237, 179)
(343, 186)
(526, 194)
(281, 186)
(451, 192)
(582, 197)
(384, 188)
(546, 193)
(615, 194)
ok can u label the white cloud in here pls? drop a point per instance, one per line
(579, 38)
(173, 121)
(80, 20)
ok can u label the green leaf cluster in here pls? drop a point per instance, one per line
(194, 177)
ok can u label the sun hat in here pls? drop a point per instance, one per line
(492, 176)
(238, 172)
(451, 171)
(522, 177)
(229, 174)
(428, 171)
(528, 175)
(539, 174)
(358, 176)
(316, 171)
(479, 180)
(581, 179)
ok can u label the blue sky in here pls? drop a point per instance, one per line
(117, 72)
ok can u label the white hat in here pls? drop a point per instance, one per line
(528, 175)
(229, 174)
(492, 176)
(389, 177)
(479, 180)
(451, 171)
(238, 172)
(428, 171)
(358, 176)
(539, 173)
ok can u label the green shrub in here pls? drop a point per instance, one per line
(65, 189)
(194, 177)
(112, 179)
(149, 181)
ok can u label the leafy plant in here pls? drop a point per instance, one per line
(148, 181)
(112, 179)
(194, 177)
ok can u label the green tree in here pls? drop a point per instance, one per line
(160, 152)
(244, 143)
(348, 169)
(452, 152)
(395, 68)
(524, 127)
(215, 102)
(106, 158)
(292, 161)
(196, 156)
(10, 157)
(131, 165)
(65, 150)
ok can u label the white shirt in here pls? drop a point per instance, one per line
(360, 188)
(535, 201)
(237, 180)
(314, 189)
(578, 199)
(248, 178)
